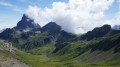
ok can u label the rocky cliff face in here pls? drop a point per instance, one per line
(26, 23)
(7, 46)
(8, 54)
(96, 33)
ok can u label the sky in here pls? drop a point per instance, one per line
(75, 16)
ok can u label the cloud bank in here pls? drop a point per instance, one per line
(76, 16)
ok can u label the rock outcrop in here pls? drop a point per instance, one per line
(26, 23)
(96, 33)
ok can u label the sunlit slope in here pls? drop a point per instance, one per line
(76, 54)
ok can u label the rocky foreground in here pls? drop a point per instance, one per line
(10, 62)
(6, 61)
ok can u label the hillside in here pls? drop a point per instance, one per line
(8, 57)
(75, 54)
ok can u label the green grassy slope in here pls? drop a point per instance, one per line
(76, 54)
(44, 61)
(29, 40)
(103, 46)
(5, 54)
(38, 51)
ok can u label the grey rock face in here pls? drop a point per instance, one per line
(96, 33)
(26, 23)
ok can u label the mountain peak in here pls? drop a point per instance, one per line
(97, 32)
(26, 23)
(106, 26)
(25, 17)
(51, 23)
(52, 27)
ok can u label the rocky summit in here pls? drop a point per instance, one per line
(26, 23)
(97, 32)
(52, 27)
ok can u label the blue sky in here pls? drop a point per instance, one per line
(114, 8)
(69, 12)
(13, 11)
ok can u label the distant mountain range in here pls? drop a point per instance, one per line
(98, 32)
(38, 45)
(116, 27)
(27, 24)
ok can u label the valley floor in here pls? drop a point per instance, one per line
(44, 61)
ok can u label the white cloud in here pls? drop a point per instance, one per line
(116, 20)
(3, 26)
(19, 10)
(13, 7)
(76, 16)
(5, 4)
(33, 12)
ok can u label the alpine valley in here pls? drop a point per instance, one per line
(30, 45)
